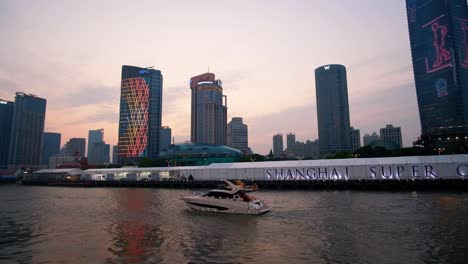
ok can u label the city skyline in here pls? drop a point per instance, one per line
(286, 48)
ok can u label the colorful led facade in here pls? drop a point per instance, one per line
(439, 47)
(140, 113)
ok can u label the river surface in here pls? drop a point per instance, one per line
(137, 225)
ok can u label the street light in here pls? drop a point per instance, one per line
(439, 150)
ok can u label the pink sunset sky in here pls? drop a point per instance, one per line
(265, 52)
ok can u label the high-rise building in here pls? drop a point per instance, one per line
(368, 139)
(290, 140)
(140, 113)
(332, 109)
(355, 139)
(94, 136)
(238, 135)
(278, 145)
(27, 129)
(6, 118)
(74, 147)
(391, 134)
(115, 154)
(165, 137)
(50, 146)
(102, 152)
(438, 31)
(209, 110)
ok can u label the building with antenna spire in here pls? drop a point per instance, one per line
(209, 110)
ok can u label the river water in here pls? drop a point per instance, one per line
(137, 225)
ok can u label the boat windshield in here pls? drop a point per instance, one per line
(216, 194)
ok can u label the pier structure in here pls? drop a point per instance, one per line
(340, 173)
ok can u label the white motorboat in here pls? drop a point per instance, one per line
(230, 199)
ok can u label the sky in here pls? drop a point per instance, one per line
(264, 51)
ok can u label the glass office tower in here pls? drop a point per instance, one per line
(332, 109)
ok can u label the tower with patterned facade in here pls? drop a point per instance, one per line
(140, 113)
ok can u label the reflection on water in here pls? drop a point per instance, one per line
(124, 225)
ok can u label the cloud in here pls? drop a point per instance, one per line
(102, 115)
(231, 80)
(300, 120)
(9, 88)
(397, 71)
(92, 95)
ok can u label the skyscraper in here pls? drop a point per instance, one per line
(238, 135)
(50, 146)
(438, 32)
(94, 136)
(278, 145)
(102, 152)
(75, 147)
(391, 135)
(6, 118)
(209, 110)
(27, 129)
(355, 139)
(290, 141)
(165, 137)
(140, 113)
(332, 109)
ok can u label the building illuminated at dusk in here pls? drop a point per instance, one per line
(209, 110)
(438, 32)
(140, 113)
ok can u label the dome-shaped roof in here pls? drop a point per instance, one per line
(190, 149)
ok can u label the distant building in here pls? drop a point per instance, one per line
(115, 154)
(355, 139)
(438, 31)
(165, 137)
(59, 161)
(391, 134)
(50, 146)
(296, 150)
(27, 130)
(6, 121)
(290, 140)
(368, 139)
(312, 149)
(140, 113)
(332, 109)
(238, 135)
(74, 147)
(198, 154)
(94, 136)
(209, 110)
(278, 145)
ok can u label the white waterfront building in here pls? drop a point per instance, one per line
(404, 168)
